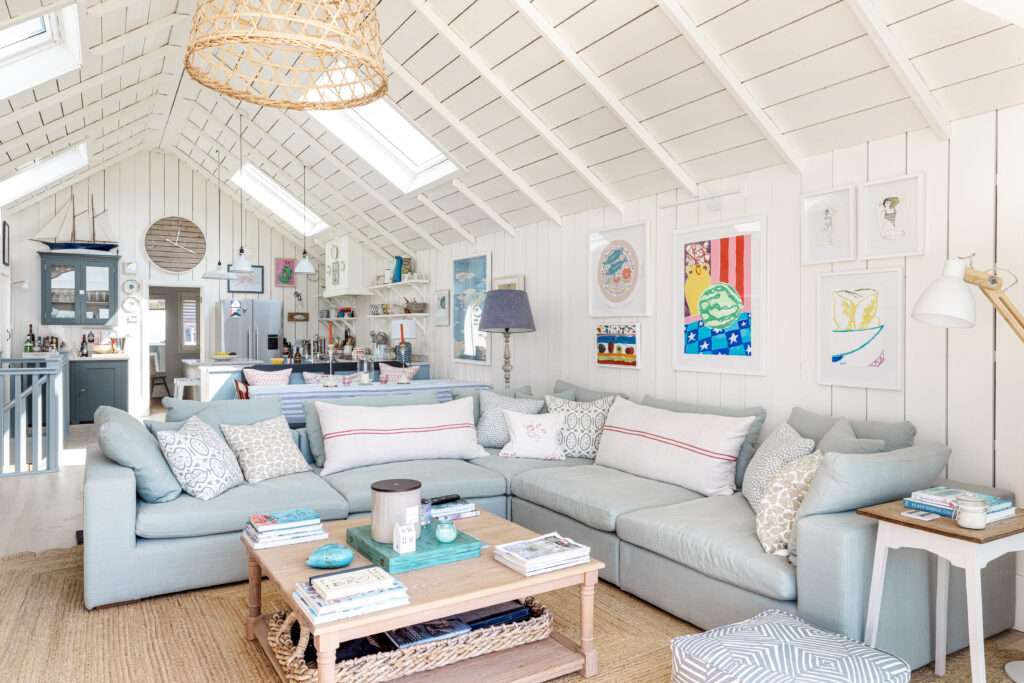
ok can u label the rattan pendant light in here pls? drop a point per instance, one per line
(289, 54)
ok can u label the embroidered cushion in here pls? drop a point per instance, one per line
(491, 430)
(266, 378)
(200, 460)
(533, 436)
(782, 500)
(356, 436)
(697, 452)
(584, 421)
(782, 447)
(395, 372)
(266, 449)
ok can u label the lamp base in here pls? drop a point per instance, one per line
(1015, 670)
(507, 365)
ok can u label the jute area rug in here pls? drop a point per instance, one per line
(47, 635)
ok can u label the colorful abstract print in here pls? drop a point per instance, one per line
(717, 291)
(617, 345)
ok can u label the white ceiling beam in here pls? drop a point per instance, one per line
(118, 42)
(871, 19)
(82, 87)
(440, 213)
(484, 206)
(473, 139)
(102, 8)
(43, 10)
(521, 108)
(610, 100)
(714, 61)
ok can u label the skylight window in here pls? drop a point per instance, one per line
(53, 44)
(277, 200)
(382, 136)
(39, 174)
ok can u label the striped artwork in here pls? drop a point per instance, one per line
(717, 292)
(618, 345)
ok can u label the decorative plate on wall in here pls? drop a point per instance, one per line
(175, 244)
(130, 287)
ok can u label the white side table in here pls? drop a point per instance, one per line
(965, 548)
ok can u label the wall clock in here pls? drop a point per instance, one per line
(175, 244)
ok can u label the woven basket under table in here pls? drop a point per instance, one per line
(387, 666)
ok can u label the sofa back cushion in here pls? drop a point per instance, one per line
(695, 451)
(749, 444)
(127, 442)
(491, 427)
(217, 413)
(356, 436)
(315, 434)
(563, 388)
(842, 439)
(813, 425)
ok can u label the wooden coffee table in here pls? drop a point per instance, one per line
(434, 593)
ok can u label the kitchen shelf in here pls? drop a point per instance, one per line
(401, 315)
(403, 283)
(347, 322)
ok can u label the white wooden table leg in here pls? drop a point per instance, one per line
(877, 587)
(941, 614)
(975, 623)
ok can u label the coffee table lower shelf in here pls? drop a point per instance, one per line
(535, 662)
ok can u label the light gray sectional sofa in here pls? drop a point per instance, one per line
(696, 557)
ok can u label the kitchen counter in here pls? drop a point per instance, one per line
(101, 357)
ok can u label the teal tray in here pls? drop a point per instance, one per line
(429, 551)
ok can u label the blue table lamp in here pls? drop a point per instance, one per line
(507, 311)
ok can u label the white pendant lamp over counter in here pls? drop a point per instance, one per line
(221, 272)
(304, 266)
(242, 263)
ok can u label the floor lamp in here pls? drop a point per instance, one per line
(507, 311)
(948, 302)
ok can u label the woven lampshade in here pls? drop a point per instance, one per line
(289, 54)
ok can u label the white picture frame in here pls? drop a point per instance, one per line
(891, 218)
(828, 226)
(702, 347)
(442, 309)
(471, 279)
(867, 354)
(510, 282)
(619, 271)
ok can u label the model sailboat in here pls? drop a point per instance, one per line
(60, 244)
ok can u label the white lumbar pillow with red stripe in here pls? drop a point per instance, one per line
(694, 451)
(356, 436)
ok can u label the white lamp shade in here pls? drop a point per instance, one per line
(242, 263)
(305, 266)
(948, 302)
(221, 272)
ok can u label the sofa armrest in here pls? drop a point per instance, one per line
(109, 509)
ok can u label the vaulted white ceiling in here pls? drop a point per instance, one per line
(549, 107)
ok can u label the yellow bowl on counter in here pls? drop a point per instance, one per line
(277, 361)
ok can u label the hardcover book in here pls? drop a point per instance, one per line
(427, 632)
(342, 585)
(286, 519)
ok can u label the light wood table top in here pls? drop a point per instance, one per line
(892, 513)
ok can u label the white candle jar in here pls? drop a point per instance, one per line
(971, 511)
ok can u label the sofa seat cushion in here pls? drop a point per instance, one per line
(186, 517)
(595, 495)
(511, 467)
(715, 536)
(439, 477)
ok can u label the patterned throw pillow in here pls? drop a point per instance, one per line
(313, 377)
(584, 421)
(777, 517)
(782, 447)
(533, 436)
(200, 460)
(491, 430)
(267, 378)
(266, 449)
(395, 372)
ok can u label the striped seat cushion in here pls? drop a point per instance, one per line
(778, 646)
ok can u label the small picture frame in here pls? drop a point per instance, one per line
(442, 311)
(617, 345)
(510, 282)
(828, 222)
(892, 218)
(247, 282)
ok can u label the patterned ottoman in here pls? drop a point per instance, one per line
(779, 647)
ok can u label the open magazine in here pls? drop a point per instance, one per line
(543, 553)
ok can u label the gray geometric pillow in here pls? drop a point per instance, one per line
(584, 422)
(491, 429)
(782, 447)
(265, 450)
(200, 460)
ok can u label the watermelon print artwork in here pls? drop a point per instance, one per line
(718, 320)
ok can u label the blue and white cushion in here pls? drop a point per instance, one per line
(779, 646)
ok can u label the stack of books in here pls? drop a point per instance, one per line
(542, 554)
(349, 593)
(454, 510)
(273, 529)
(941, 500)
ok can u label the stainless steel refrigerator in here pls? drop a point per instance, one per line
(250, 327)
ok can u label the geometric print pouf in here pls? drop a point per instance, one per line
(779, 647)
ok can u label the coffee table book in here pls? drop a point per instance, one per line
(429, 551)
(434, 593)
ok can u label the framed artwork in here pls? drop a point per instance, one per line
(892, 218)
(719, 298)
(284, 272)
(471, 277)
(861, 329)
(510, 282)
(828, 222)
(617, 345)
(247, 283)
(442, 308)
(619, 273)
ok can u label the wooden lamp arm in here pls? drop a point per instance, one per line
(991, 285)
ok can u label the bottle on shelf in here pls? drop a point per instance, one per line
(29, 346)
(83, 350)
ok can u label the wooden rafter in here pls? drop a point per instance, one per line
(443, 215)
(101, 8)
(716, 64)
(483, 206)
(141, 33)
(871, 19)
(520, 107)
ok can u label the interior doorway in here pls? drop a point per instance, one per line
(172, 335)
